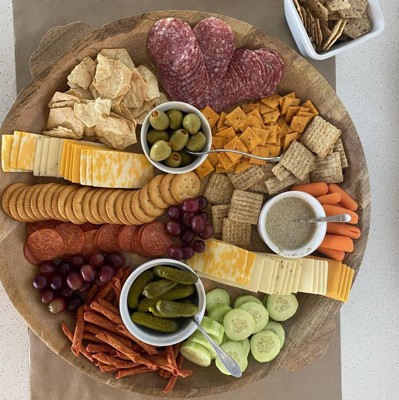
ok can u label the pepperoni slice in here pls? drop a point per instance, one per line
(125, 236)
(46, 244)
(73, 237)
(88, 226)
(155, 239)
(137, 247)
(29, 257)
(89, 246)
(107, 238)
(36, 226)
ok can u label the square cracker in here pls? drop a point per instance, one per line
(328, 169)
(318, 10)
(235, 144)
(219, 213)
(280, 172)
(357, 10)
(275, 186)
(204, 183)
(246, 179)
(250, 122)
(250, 139)
(211, 116)
(219, 189)
(357, 27)
(339, 147)
(320, 136)
(242, 165)
(236, 233)
(245, 207)
(298, 160)
(204, 169)
(336, 5)
(235, 117)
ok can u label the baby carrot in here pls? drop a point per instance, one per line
(335, 210)
(337, 242)
(347, 201)
(333, 254)
(331, 198)
(339, 228)
(315, 188)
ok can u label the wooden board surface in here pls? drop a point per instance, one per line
(310, 331)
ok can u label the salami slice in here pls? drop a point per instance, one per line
(125, 236)
(46, 244)
(36, 226)
(275, 65)
(88, 226)
(29, 257)
(155, 239)
(89, 246)
(137, 247)
(216, 41)
(73, 237)
(107, 238)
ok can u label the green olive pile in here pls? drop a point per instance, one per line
(152, 298)
(172, 133)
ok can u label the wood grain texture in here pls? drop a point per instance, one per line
(309, 332)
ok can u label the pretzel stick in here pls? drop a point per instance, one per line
(110, 306)
(69, 335)
(96, 330)
(107, 368)
(78, 333)
(172, 381)
(92, 293)
(98, 348)
(100, 321)
(111, 296)
(103, 358)
(115, 318)
(92, 338)
(117, 286)
(132, 371)
(105, 290)
(147, 347)
(170, 357)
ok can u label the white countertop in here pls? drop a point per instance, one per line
(368, 85)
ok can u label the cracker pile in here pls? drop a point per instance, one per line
(265, 128)
(332, 21)
(107, 98)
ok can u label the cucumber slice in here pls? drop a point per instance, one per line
(264, 301)
(281, 307)
(237, 353)
(213, 328)
(218, 311)
(244, 298)
(259, 314)
(196, 353)
(225, 339)
(278, 329)
(217, 296)
(265, 346)
(199, 338)
(238, 324)
(247, 346)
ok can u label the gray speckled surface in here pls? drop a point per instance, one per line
(368, 84)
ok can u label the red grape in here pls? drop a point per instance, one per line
(77, 260)
(106, 273)
(40, 282)
(89, 274)
(204, 216)
(197, 224)
(187, 236)
(190, 205)
(203, 202)
(175, 252)
(47, 295)
(74, 280)
(85, 287)
(173, 228)
(57, 305)
(66, 291)
(188, 252)
(47, 267)
(207, 232)
(174, 212)
(64, 268)
(97, 260)
(186, 219)
(74, 302)
(56, 282)
(116, 260)
(199, 246)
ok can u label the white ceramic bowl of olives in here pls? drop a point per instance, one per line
(169, 130)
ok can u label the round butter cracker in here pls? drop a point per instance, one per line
(185, 186)
(166, 190)
(154, 191)
(147, 205)
(138, 211)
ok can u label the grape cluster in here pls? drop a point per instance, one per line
(187, 221)
(63, 283)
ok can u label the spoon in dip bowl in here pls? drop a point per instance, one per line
(332, 218)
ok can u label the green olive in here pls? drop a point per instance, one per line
(179, 139)
(174, 160)
(160, 150)
(196, 142)
(186, 158)
(153, 136)
(191, 123)
(175, 119)
(159, 120)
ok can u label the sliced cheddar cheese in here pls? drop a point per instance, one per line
(15, 149)
(6, 146)
(27, 149)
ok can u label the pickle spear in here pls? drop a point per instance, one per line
(176, 275)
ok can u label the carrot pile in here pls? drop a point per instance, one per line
(100, 336)
(340, 236)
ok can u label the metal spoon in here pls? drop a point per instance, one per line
(230, 364)
(333, 218)
(203, 153)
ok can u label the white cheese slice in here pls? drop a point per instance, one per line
(267, 274)
(60, 149)
(53, 158)
(306, 278)
(298, 270)
(38, 155)
(44, 156)
(316, 269)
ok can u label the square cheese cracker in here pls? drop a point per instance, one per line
(298, 160)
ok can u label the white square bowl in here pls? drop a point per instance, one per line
(305, 46)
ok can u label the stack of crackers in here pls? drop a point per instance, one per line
(264, 128)
(330, 21)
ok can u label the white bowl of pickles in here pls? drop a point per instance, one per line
(169, 130)
(159, 300)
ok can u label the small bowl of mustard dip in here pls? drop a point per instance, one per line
(280, 229)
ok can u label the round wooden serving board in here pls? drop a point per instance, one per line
(309, 332)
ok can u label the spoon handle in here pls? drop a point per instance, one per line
(230, 364)
(332, 218)
(203, 153)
